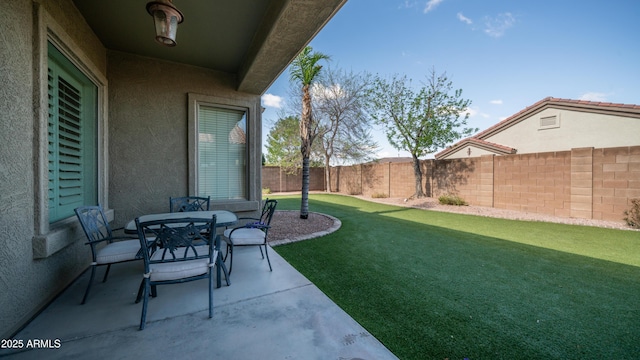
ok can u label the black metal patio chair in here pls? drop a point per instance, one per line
(106, 249)
(176, 251)
(189, 203)
(254, 232)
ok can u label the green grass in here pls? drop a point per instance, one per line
(435, 285)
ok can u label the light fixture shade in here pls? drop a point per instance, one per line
(166, 18)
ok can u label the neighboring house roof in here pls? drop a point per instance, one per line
(478, 140)
(477, 143)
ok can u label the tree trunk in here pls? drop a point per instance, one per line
(305, 149)
(304, 204)
(417, 171)
(327, 174)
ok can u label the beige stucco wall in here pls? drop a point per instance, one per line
(463, 153)
(148, 124)
(27, 284)
(577, 130)
(142, 140)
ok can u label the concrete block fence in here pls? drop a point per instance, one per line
(581, 183)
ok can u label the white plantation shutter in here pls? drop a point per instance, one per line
(222, 153)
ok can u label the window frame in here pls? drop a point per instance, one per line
(253, 153)
(87, 136)
(219, 125)
(52, 237)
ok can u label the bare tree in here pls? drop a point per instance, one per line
(345, 132)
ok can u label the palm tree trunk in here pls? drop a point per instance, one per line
(305, 149)
(304, 204)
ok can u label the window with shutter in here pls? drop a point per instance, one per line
(71, 138)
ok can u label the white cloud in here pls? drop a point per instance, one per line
(496, 27)
(332, 92)
(270, 100)
(408, 4)
(464, 19)
(496, 102)
(594, 96)
(471, 112)
(431, 4)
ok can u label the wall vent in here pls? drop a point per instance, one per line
(550, 122)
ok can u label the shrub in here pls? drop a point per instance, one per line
(266, 191)
(379, 195)
(452, 200)
(632, 216)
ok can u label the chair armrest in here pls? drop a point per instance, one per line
(112, 239)
(122, 238)
(248, 218)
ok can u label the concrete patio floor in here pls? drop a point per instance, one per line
(261, 315)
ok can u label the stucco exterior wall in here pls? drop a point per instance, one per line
(576, 130)
(27, 284)
(148, 124)
(463, 153)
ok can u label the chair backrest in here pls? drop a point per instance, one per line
(172, 240)
(189, 203)
(94, 222)
(267, 211)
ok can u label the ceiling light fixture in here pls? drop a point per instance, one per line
(166, 18)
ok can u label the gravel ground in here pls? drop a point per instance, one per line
(286, 226)
(434, 204)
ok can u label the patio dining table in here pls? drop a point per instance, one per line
(224, 218)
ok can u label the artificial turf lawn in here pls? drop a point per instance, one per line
(434, 285)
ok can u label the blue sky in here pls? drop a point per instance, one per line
(504, 55)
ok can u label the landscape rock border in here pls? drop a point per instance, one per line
(336, 225)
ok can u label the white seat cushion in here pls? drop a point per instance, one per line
(245, 236)
(180, 269)
(118, 251)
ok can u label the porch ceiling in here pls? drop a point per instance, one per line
(255, 40)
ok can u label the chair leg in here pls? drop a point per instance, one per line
(226, 253)
(86, 292)
(230, 250)
(106, 273)
(210, 292)
(147, 289)
(266, 252)
(261, 253)
(140, 290)
(221, 267)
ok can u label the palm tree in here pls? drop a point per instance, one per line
(305, 69)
